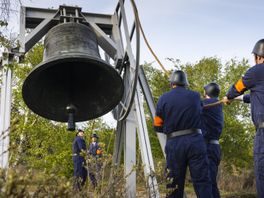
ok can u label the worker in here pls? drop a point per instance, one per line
(95, 151)
(79, 151)
(212, 125)
(178, 115)
(253, 80)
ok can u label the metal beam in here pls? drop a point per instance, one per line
(130, 155)
(5, 110)
(150, 103)
(145, 149)
(117, 38)
(105, 42)
(127, 37)
(34, 16)
(38, 33)
(42, 20)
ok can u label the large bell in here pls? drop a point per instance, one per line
(72, 79)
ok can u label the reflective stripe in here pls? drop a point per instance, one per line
(183, 132)
(212, 142)
(158, 121)
(260, 125)
(240, 85)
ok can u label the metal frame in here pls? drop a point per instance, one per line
(151, 106)
(110, 39)
(5, 109)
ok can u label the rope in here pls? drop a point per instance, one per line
(148, 45)
(213, 104)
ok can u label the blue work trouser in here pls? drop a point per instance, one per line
(259, 161)
(214, 156)
(183, 151)
(79, 172)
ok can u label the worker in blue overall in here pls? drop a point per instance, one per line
(212, 125)
(79, 150)
(95, 164)
(253, 80)
(178, 115)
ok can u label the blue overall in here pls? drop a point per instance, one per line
(180, 109)
(253, 80)
(80, 172)
(212, 125)
(93, 152)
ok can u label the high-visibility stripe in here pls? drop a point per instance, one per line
(158, 121)
(240, 85)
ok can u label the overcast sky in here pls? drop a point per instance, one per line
(186, 29)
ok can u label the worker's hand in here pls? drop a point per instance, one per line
(226, 101)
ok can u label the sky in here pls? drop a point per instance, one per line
(185, 29)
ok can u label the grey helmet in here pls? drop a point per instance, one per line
(179, 78)
(259, 48)
(94, 135)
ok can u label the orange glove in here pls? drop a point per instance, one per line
(99, 152)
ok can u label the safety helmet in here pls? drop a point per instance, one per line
(79, 130)
(212, 90)
(179, 78)
(94, 135)
(259, 48)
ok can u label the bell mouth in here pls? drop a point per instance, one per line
(90, 84)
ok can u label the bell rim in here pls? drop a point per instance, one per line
(50, 62)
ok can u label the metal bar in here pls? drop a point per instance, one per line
(118, 6)
(77, 15)
(64, 14)
(132, 31)
(130, 156)
(35, 15)
(127, 35)
(104, 41)
(150, 103)
(145, 148)
(146, 91)
(2, 114)
(7, 118)
(118, 148)
(116, 36)
(22, 27)
(105, 19)
(38, 33)
(5, 111)
(120, 17)
(131, 128)
(118, 145)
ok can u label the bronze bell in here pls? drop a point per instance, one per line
(72, 82)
